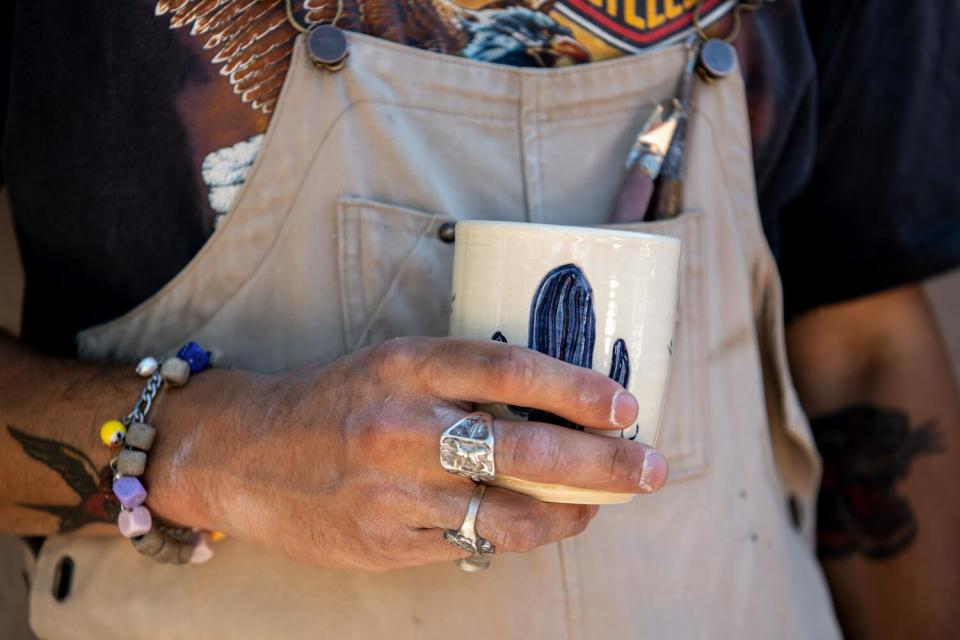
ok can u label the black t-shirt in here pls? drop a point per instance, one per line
(882, 205)
(130, 125)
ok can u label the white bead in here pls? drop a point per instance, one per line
(147, 367)
(202, 550)
(135, 522)
(216, 356)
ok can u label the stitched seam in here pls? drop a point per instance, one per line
(633, 107)
(537, 153)
(698, 459)
(566, 591)
(344, 256)
(522, 150)
(414, 107)
(510, 70)
(692, 459)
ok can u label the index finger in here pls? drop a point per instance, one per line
(484, 371)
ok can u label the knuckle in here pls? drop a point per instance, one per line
(514, 368)
(375, 434)
(394, 354)
(523, 534)
(622, 466)
(590, 394)
(582, 518)
(534, 451)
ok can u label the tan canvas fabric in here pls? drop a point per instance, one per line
(16, 561)
(333, 244)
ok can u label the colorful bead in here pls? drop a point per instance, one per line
(149, 543)
(217, 536)
(131, 462)
(186, 552)
(147, 367)
(112, 433)
(135, 522)
(169, 552)
(195, 356)
(175, 372)
(202, 551)
(140, 435)
(129, 491)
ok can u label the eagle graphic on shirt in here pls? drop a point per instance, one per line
(250, 43)
(251, 40)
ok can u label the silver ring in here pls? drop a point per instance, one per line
(467, 537)
(474, 564)
(466, 448)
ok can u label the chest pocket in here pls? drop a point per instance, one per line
(396, 273)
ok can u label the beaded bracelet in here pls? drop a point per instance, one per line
(134, 437)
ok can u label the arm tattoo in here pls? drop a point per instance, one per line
(79, 472)
(866, 451)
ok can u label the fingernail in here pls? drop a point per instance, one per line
(655, 471)
(624, 410)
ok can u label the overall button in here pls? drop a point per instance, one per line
(447, 232)
(718, 60)
(328, 47)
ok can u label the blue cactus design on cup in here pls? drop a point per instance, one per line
(563, 325)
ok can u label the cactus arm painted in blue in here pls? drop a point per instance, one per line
(563, 325)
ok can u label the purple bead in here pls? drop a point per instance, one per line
(135, 523)
(194, 355)
(129, 491)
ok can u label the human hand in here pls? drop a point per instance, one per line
(338, 465)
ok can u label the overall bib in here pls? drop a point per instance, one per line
(334, 244)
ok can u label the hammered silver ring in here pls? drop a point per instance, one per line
(466, 448)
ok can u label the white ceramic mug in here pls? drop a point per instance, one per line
(599, 298)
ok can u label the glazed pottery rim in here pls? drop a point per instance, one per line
(564, 229)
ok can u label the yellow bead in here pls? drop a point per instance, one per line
(112, 433)
(217, 536)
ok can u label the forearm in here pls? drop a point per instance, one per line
(878, 385)
(50, 415)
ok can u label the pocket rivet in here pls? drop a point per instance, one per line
(328, 47)
(447, 232)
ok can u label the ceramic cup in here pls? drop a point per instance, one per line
(595, 297)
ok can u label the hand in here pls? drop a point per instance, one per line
(339, 465)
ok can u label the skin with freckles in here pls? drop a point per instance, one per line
(337, 465)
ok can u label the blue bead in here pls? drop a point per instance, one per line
(195, 356)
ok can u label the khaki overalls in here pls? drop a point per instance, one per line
(333, 244)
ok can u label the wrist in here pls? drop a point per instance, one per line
(194, 425)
